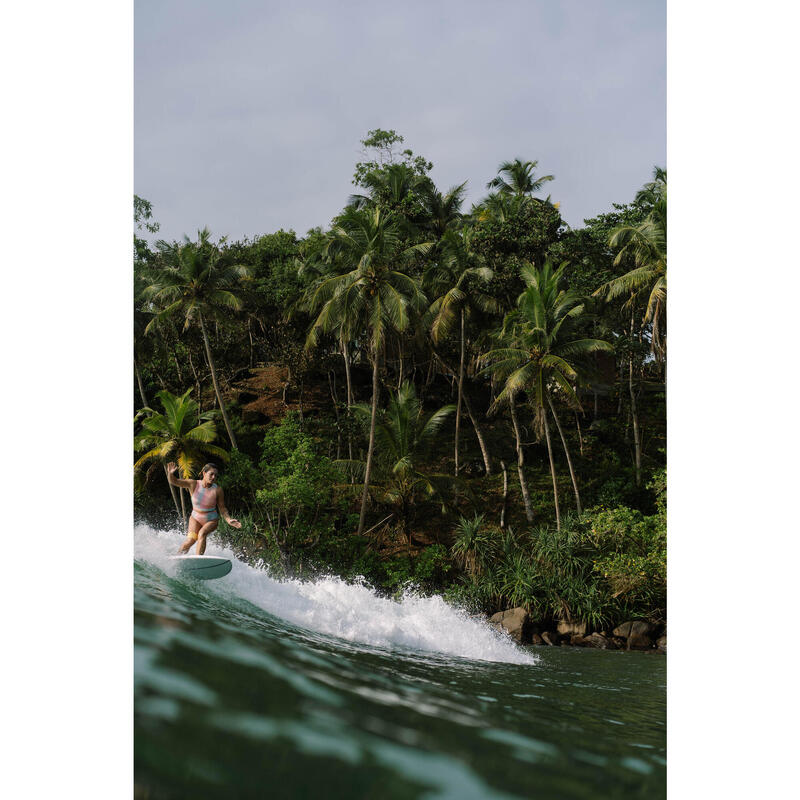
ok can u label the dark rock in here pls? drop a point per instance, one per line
(618, 643)
(661, 643)
(636, 633)
(515, 622)
(536, 639)
(596, 640)
(569, 628)
(623, 630)
(576, 640)
(639, 636)
(548, 637)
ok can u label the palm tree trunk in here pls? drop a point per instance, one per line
(400, 371)
(505, 494)
(580, 434)
(183, 508)
(213, 369)
(196, 382)
(487, 462)
(552, 467)
(139, 382)
(520, 461)
(332, 385)
(368, 471)
(566, 452)
(460, 390)
(346, 356)
(636, 438)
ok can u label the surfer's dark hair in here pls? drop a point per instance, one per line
(209, 466)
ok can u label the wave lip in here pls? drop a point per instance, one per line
(353, 612)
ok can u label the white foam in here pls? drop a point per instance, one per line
(349, 611)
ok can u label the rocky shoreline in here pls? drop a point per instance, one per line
(631, 635)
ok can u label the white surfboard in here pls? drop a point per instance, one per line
(204, 568)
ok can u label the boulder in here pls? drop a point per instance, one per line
(548, 637)
(536, 639)
(515, 622)
(636, 634)
(596, 640)
(639, 636)
(623, 630)
(576, 640)
(572, 628)
(661, 643)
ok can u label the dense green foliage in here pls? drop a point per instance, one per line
(378, 378)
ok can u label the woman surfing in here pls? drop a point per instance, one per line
(207, 497)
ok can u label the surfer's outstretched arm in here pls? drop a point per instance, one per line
(172, 468)
(234, 523)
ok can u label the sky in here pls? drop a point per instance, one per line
(248, 115)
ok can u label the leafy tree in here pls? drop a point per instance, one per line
(297, 480)
(381, 149)
(193, 284)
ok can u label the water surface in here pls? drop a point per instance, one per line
(250, 687)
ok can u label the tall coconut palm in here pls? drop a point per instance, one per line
(543, 353)
(194, 284)
(374, 297)
(179, 434)
(455, 281)
(517, 178)
(646, 246)
(404, 436)
(442, 212)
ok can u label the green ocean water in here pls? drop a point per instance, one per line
(249, 687)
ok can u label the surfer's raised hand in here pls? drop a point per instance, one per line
(172, 467)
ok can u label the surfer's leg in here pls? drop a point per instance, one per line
(209, 527)
(191, 536)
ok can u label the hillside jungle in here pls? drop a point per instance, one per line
(464, 401)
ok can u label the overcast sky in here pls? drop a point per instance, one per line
(248, 115)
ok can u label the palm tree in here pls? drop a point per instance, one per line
(394, 188)
(404, 436)
(455, 282)
(442, 212)
(646, 246)
(179, 434)
(194, 285)
(517, 178)
(543, 353)
(373, 297)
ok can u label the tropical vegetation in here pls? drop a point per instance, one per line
(374, 379)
